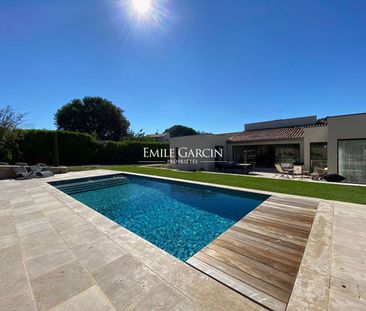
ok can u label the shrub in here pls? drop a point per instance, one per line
(55, 153)
(34, 146)
(126, 152)
(76, 148)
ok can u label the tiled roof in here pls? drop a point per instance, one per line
(157, 135)
(282, 133)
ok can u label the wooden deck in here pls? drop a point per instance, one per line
(260, 255)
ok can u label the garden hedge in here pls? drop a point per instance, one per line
(76, 148)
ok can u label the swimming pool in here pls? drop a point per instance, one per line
(180, 218)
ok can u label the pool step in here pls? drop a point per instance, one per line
(89, 185)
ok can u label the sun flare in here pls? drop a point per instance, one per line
(144, 19)
(142, 6)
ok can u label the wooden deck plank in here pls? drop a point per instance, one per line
(249, 291)
(261, 286)
(286, 213)
(294, 202)
(255, 254)
(276, 226)
(297, 210)
(294, 225)
(291, 224)
(260, 255)
(252, 267)
(274, 232)
(271, 240)
(282, 253)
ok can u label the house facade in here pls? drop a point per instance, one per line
(159, 137)
(338, 143)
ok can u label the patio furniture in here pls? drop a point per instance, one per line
(43, 165)
(318, 173)
(281, 172)
(22, 173)
(287, 166)
(4, 163)
(40, 172)
(298, 170)
(21, 164)
(334, 178)
(233, 167)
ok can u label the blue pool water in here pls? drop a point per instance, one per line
(179, 218)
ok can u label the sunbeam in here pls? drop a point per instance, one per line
(143, 19)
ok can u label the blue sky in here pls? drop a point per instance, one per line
(212, 65)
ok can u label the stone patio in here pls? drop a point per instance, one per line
(58, 254)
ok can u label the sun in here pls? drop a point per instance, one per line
(144, 17)
(142, 6)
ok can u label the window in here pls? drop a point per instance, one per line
(288, 153)
(219, 150)
(176, 154)
(218, 158)
(318, 155)
(352, 160)
(250, 154)
(238, 154)
(267, 155)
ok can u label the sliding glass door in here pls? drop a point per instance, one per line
(318, 155)
(289, 153)
(352, 160)
(266, 156)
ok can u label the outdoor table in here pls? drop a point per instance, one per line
(245, 166)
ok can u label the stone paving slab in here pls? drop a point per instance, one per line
(124, 280)
(92, 299)
(56, 286)
(47, 262)
(21, 301)
(12, 273)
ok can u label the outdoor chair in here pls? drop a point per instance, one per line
(298, 170)
(318, 174)
(22, 173)
(280, 171)
(43, 165)
(40, 172)
(21, 164)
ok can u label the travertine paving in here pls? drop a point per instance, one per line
(332, 274)
(58, 254)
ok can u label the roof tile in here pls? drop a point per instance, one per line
(282, 133)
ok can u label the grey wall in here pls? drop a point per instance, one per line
(343, 127)
(200, 142)
(313, 135)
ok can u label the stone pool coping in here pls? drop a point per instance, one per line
(34, 217)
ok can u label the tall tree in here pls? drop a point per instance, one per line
(9, 122)
(94, 115)
(180, 130)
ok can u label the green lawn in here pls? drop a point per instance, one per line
(344, 193)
